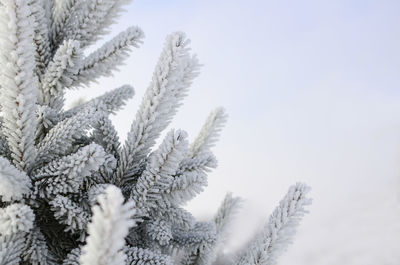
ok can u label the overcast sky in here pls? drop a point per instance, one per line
(312, 91)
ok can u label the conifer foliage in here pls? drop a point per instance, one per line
(70, 192)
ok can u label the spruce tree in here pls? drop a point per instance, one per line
(70, 192)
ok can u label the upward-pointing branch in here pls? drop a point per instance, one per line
(109, 226)
(209, 132)
(174, 73)
(278, 232)
(17, 80)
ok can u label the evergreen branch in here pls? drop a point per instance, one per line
(137, 256)
(105, 172)
(109, 226)
(14, 183)
(225, 214)
(62, 11)
(183, 188)
(178, 217)
(59, 140)
(158, 232)
(89, 20)
(173, 75)
(17, 80)
(204, 161)
(35, 250)
(163, 164)
(40, 9)
(4, 149)
(278, 232)
(201, 237)
(105, 60)
(109, 102)
(70, 214)
(60, 73)
(11, 248)
(16, 218)
(189, 180)
(221, 220)
(105, 135)
(209, 133)
(47, 119)
(66, 174)
(48, 6)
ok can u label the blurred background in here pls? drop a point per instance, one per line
(312, 91)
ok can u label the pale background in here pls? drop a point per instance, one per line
(312, 90)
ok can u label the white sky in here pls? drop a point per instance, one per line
(312, 90)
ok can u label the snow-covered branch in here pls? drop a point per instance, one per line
(18, 82)
(86, 20)
(14, 183)
(278, 232)
(107, 59)
(209, 133)
(174, 73)
(60, 73)
(66, 174)
(163, 164)
(109, 226)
